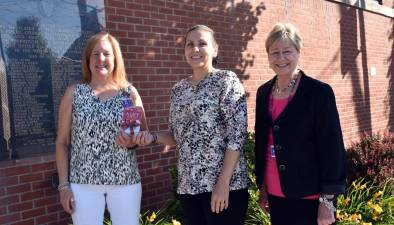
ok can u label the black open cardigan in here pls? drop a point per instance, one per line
(307, 135)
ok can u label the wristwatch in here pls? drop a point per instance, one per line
(328, 202)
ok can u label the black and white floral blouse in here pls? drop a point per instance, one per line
(95, 157)
(207, 120)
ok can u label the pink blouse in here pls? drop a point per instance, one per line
(271, 176)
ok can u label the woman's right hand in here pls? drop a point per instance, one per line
(125, 140)
(263, 200)
(67, 200)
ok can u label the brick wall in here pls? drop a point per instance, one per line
(341, 45)
(26, 193)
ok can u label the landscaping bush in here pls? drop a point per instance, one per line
(366, 203)
(254, 215)
(371, 158)
(369, 197)
(151, 218)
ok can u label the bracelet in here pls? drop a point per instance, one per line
(329, 198)
(154, 135)
(63, 186)
(329, 203)
(132, 147)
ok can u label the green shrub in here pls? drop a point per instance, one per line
(371, 158)
(150, 218)
(157, 218)
(255, 215)
(173, 210)
(366, 203)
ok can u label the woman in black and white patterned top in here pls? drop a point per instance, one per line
(94, 157)
(208, 122)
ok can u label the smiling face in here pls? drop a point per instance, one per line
(200, 49)
(283, 57)
(102, 60)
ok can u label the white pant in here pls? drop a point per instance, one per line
(123, 203)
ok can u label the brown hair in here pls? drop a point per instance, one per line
(119, 73)
(209, 30)
(284, 32)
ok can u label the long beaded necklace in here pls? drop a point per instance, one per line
(291, 85)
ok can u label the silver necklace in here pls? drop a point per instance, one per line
(291, 85)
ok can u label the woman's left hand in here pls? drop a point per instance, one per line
(124, 139)
(144, 138)
(325, 216)
(219, 197)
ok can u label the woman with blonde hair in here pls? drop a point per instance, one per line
(299, 148)
(95, 159)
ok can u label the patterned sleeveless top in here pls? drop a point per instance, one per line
(95, 157)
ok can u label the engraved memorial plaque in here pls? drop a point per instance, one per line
(41, 42)
(3, 106)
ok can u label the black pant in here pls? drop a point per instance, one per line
(197, 209)
(286, 211)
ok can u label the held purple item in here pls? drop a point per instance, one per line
(131, 119)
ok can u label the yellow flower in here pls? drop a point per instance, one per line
(366, 224)
(345, 216)
(377, 194)
(346, 201)
(175, 222)
(378, 209)
(356, 186)
(375, 217)
(340, 216)
(355, 217)
(152, 217)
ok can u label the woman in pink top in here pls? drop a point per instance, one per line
(299, 146)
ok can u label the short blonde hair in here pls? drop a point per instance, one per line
(285, 31)
(119, 73)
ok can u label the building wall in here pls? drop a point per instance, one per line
(342, 45)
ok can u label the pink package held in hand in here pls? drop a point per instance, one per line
(131, 119)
